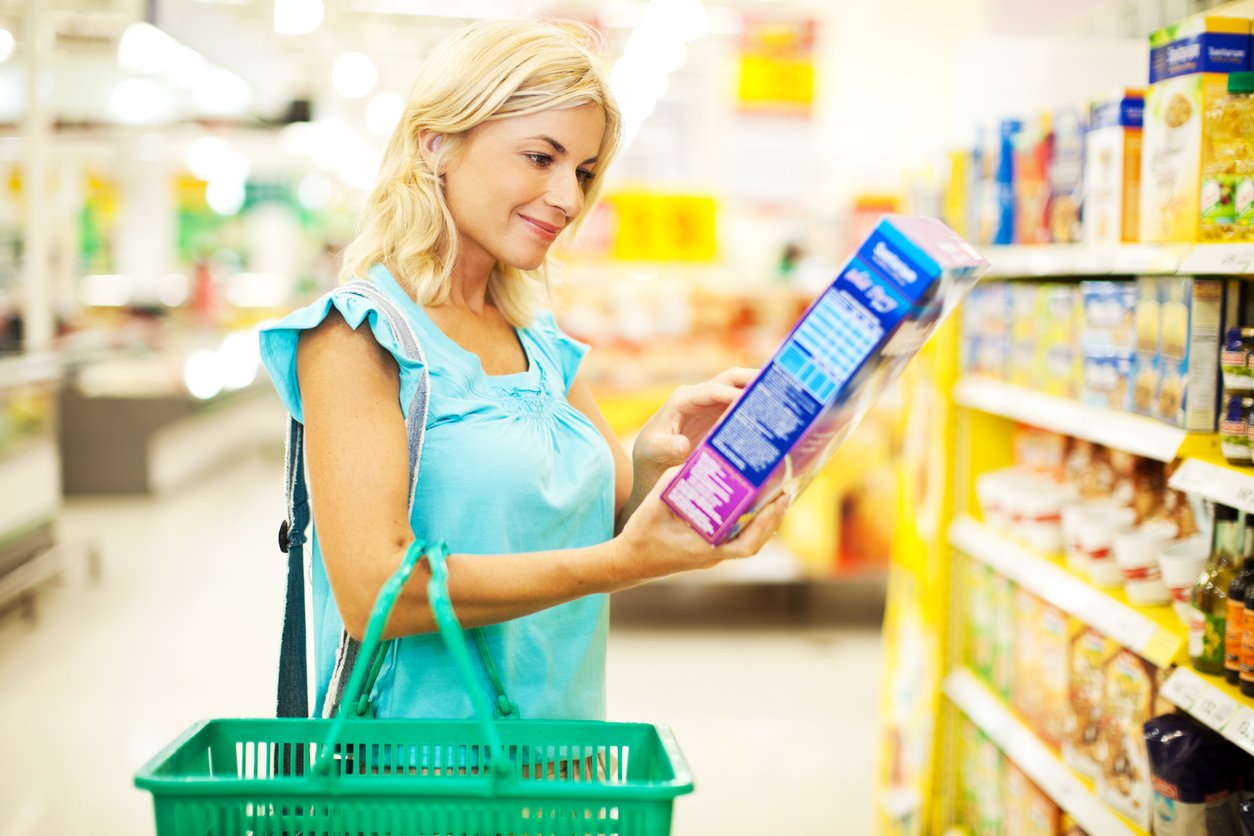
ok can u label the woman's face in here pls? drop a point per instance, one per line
(517, 183)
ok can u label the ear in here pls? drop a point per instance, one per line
(428, 147)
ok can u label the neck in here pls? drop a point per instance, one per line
(469, 285)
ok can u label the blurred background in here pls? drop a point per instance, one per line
(174, 173)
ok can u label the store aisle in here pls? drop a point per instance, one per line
(777, 722)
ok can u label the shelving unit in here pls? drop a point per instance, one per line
(1213, 701)
(1070, 792)
(1069, 261)
(1155, 633)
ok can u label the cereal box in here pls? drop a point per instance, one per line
(1193, 323)
(850, 344)
(1147, 365)
(1065, 207)
(1081, 747)
(1129, 698)
(1028, 810)
(1025, 691)
(1054, 632)
(1033, 148)
(1189, 63)
(1112, 170)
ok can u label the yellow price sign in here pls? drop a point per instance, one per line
(662, 227)
(766, 79)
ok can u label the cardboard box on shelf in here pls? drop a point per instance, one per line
(1033, 150)
(1194, 319)
(1189, 66)
(1082, 747)
(850, 344)
(1028, 810)
(1112, 170)
(1130, 697)
(1065, 207)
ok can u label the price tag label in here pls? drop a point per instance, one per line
(1131, 630)
(1214, 708)
(1183, 688)
(1221, 484)
(1240, 729)
(1220, 259)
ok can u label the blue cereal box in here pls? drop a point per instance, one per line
(850, 344)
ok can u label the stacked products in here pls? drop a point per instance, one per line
(1149, 345)
(1169, 163)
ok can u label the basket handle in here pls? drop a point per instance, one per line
(450, 630)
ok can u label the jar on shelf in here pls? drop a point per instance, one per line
(1235, 360)
(1234, 429)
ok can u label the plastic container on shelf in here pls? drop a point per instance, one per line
(1097, 540)
(1181, 562)
(1227, 193)
(1235, 360)
(1136, 554)
(1234, 427)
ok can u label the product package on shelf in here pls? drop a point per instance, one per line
(851, 343)
(1108, 343)
(1194, 320)
(1041, 644)
(1028, 810)
(1112, 170)
(1065, 209)
(1033, 150)
(986, 317)
(982, 789)
(1189, 65)
(1130, 698)
(1082, 748)
(1196, 776)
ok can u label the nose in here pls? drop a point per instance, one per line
(566, 193)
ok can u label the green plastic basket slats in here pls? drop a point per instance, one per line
(353, 777)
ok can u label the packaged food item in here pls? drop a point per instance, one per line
(847, 348)
(1109, 314)
(1234, 629)
(1189, 63)
(1234, 429)
(1053, 644)
(1028, 810)
(1227, 199)
(1107, 378)
(1033, 149)
(1026, 696)
(1130, 698)
(1193, 318)
(1065, 206)
(1059, 366)
(1003, 204)
(1147, 363)
(1136, 553)
(1234, 360)
(1112, 170)
(1181, 563)
(1003, 626)
(1193, 773)
(1024, 333)
(1082, 748)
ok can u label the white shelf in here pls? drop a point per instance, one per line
(1069, 261)
(1224, 712)
(1134, 434)
(1032, 756)
(1045, 579)
(1216, 482)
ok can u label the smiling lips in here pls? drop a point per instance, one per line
(545, 231)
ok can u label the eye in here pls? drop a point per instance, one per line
(584, 176)
(540, 160)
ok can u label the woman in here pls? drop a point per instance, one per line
(498, 152)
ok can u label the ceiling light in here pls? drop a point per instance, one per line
(297, 17)
(137, 101)
(353, 75)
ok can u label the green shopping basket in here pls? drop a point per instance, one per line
(351, 776)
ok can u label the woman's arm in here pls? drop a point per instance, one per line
(357, 455)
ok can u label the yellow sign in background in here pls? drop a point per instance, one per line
(651, 226)
(776, 72)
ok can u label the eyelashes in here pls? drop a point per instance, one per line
(541, 160)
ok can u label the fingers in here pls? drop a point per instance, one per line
(705, 395)
(738, 377)
(760, 529)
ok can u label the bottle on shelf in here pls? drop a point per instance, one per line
(1227, 191)
(1209, 600)
(1234, 630)
(1247, 643)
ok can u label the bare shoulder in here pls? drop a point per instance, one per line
(333, 349)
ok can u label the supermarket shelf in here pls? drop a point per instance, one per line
(1216, 480)
(1040, 764)
(1120, 430)
(1076, 260)
(1213, 701)
(1154, 633)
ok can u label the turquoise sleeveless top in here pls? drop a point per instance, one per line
(508, 466)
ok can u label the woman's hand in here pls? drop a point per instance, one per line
(655, 542)
(688, 414)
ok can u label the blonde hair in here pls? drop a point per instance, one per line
(487, 71)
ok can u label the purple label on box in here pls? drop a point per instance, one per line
(709, 493)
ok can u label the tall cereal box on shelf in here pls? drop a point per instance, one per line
(1194, 318)
(1130, 695)
(1112, 170)
(1189, 66)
